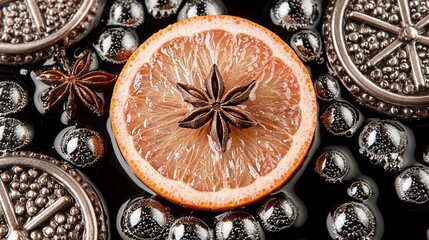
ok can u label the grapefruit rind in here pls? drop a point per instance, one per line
(227, 198)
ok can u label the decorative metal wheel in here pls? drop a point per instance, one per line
(30, 29)
(380, 51)
(42, 198)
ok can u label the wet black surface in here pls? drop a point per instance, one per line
(401, 220)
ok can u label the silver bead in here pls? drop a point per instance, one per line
(143, 219)
(294, 14)
(238, 225)
(116, 45)
(14, 134)
(126, 13)
(162, 8)
(341, 119)
(194, 8)
(190, 228)
(13, 97)
(278, 213)
(326, 87)
(360, 190)
(81, 147)
(308, 45)
(332, 165)
(412, 185)
(352, 220)
(383, 142)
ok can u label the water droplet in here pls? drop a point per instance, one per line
(332, 165)
(162, 8)
(190, 228)
(384, 142)
(308, 45)
(144, 218)
(341, 119)
(13, 98)
(277, 213)
(238, 225)
(360, 190)
(327, 88)
(412, 185)
(126, 13)
(194, 8)
(116, 45)
(352, 220)
(80, 146)
(294, 14)
(14, 134)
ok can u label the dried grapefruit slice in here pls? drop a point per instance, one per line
(186, 165)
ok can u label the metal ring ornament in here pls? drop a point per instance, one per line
(406, 34)
(66, 32)
(78, 191)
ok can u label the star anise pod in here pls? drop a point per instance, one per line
(220, 109)
(77, 84)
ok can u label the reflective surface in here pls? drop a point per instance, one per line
(318, 197)
(41, 197)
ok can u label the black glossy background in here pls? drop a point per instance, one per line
(402, 221)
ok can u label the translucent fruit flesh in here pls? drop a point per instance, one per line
(185, 165)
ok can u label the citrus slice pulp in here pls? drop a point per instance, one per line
(184, 165)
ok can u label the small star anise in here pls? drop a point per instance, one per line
(215, 106)
(76, 81)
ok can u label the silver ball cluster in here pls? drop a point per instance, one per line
(57, 12)
(364, 41)
(17, 24)
(31, 191)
